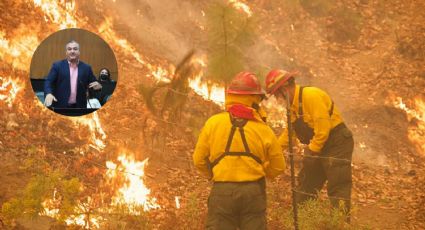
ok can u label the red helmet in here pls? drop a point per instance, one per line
(276, 78)
(245, 83)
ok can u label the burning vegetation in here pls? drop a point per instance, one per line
(92, 172)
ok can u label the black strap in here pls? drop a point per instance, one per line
(332, 109)
(245, 144)
(300, 103)
(239, 124)
(230, 138)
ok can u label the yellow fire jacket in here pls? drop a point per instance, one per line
(261, 141)
(316, 106)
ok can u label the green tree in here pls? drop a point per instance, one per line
(39, 189)
(230, 32)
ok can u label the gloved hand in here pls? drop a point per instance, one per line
(49, 99)
(309, 157)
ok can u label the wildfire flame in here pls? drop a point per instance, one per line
(133, 193)
(9, 89)
(49, 205)
(241, 6)
(86, 220)
(81, 220)
(61, 13)
(412, 113)
(177, 200)
(416, 133)
(362, 145)
(23, 45)
(18, 51)
(209, 92)
(206, 90)
(98, 135)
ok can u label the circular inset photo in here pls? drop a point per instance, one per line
(73, 72)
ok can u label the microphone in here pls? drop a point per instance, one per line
(86, 91)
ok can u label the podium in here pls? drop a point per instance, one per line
(103, 95)
(72, 111)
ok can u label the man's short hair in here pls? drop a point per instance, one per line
(72, 41)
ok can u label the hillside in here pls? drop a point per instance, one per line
(368, 54)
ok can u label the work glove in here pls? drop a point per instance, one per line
(49, 99)
(309, 158)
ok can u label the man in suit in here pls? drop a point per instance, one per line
(68, 80)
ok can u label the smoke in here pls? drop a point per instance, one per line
(168, 29)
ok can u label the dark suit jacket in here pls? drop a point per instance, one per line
(58, 83)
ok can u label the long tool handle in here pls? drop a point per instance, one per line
(291, 160)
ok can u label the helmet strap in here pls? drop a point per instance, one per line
(282, 91)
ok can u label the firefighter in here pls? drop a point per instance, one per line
(237, 150)
(328, 142)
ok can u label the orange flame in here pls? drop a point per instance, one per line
(134, 193)
(61, 13)
(98, 135)
(177, 200)
(49, 206)
(241, 6)
(206, 90)
(209, 92)
(18, 51)
(81, 220)
(9, 89)
(86, 221)
(212, 92)
(412, 113)
(416, 132)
